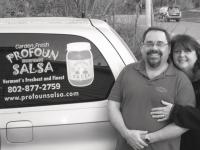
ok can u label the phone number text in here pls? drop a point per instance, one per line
(34, 87)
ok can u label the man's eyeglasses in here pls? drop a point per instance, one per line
(151, 44)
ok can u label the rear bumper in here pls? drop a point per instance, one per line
(173, 17)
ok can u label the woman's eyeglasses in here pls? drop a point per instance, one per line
(179, 51)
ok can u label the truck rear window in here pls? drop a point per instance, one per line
(37, 69)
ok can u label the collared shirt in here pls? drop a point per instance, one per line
(137, 94)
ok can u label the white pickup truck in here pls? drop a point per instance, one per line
(56, 75)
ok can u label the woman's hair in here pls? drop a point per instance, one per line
(186, 42)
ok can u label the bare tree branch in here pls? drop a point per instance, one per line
(108, 7)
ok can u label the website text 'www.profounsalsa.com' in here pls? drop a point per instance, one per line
(34, 96)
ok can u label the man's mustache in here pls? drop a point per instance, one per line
(154, 52)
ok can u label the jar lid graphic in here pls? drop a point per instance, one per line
(78, 46)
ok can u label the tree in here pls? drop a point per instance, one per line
(3, 7)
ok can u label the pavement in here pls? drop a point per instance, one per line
(197, 20)
(195, 10)
(192, 15)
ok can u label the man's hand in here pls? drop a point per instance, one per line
(135, 139)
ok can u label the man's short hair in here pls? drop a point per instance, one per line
(157, 29)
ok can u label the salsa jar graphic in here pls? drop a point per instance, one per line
(79, 61)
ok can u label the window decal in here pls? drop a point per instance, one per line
(79, 61)
(50, 69)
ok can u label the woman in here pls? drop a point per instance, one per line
(186, 56)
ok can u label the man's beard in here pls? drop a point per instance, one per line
(154, 62)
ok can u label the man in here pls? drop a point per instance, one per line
(142, 86)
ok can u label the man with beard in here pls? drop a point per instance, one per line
(140, 87)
